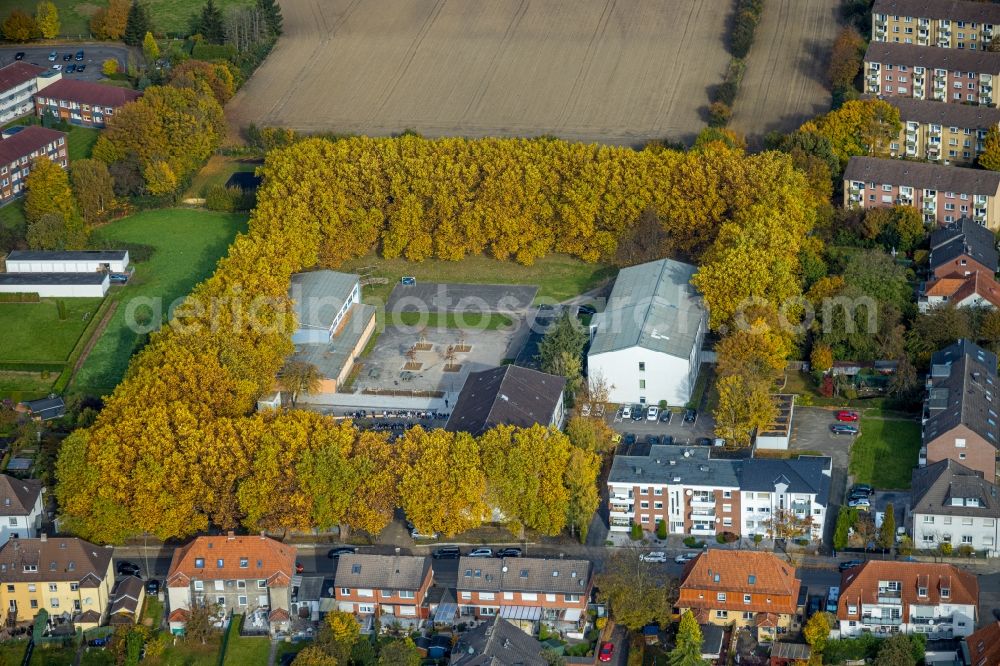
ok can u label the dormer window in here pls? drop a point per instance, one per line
(199, 563)
(219, 563)
(945, 592)
(244, 562)
(30, 568)
(921, 591)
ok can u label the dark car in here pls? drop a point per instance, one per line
(81, 67)
(638, 413)
(584, 310)
(128, 569)
(629, 439)
(19, 55)
(652, 440)
(341, 550)
(704, 441)
(447, 553)
(667, 439)
(862, 489)
(79, 55)
(509, 552)
(153, 587)
(815, 603)
(99, 642)
(67, 57)
(665, 416)
(287, 659)
(850, 564)
(690, 416)
(70, 68)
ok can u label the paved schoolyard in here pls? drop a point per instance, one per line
(440, 297)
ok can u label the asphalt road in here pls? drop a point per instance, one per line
(94, 57)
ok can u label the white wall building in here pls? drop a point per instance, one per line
(954, 504)
(56, 285)
(19, 81)
(322, 300)
(646, 345)
(20, 508)
(88, 261)
(778, 494)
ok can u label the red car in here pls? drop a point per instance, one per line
(847, 415)
(299, 568)
(606, 650)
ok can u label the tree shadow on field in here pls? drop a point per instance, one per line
(814, 60)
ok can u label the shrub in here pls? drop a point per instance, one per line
(636, 532)
(965, 550)
(730, 537)
(61, 309)
(661, 530)
(225, 199)
(946, 549)
(690, 541)
(109, 67)
(719, 114)
(720, 538)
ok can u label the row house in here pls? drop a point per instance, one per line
(18, 150)
(740, 588)
(942, 194)
(884, 598)
(67, 577)
(982, 647)
(956, 505)
(692, 493)
(947, 24)
(525, 591)
(960, 414)
(21, 508)
(238, 574)
(943, 75)
(963, 262)
(943, 133)
(83, 102)
(392, 588)
(19, 81)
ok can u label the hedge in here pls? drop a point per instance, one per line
(31, 366)
(20, 297)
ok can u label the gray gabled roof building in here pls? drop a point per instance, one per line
(497, 643)
(805, 475)
(18, 496)
(393, 572)
(528, 574)
(508, 395)
(964, 237)
(949, 488)
(961, 388)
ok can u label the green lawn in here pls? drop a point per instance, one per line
(52, 656)
(557, 276)
(12, 215)
(245, 650)
(167, 15)
(97, 657)
(81, 142)
(188, 244)
(217, 171)
(885, 452)
(190, 653)
(152, 612)
(12, 652)
(34, 332)
(290, 648)
(472, 320)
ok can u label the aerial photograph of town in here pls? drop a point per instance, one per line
(499, 332)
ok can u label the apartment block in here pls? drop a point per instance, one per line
(19, 82)
(392, 588)
(885, 598)
(947, 24)
(943, 133)
(83, 102)
(19, 149)
(943, 75)
(943, 194)
(954, 504)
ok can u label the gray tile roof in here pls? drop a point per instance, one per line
(56, 559)
(934, 487)
(956, 10)
(963, 389)
(125, 598)
(382, 572)
(964, 60)
(922, 175)
(54, 255)
(806, 475)
(319, 296)
(668, 464)
(509, 395)
(330, 357)
(17, 496)
(36, 279)
(497, 643)
(652, 305)
(966, 237)
(524, 574)
(947, 115)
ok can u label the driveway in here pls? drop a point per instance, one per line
(683, 433)
(94, 56)
(989, 598)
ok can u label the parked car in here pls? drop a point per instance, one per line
(667, 439)
(481, 552)
(685, 557)
(57, 67)
(704, 441)
(509, 552)
(53, 56)
(652, 440)
(847, 415)
(67, 57)
(637, 412)
(586, 310)
(850, 564)
(718, 441)
(115, 278)
(447, 553)
(153, 587)
(655, 556)
(690, 415)
(843, 429)
(335, 553)
(70, 68)
(99, 642)
(815, 603)
(859, 503)
(629, 439)
(626, 412)
(415, 534)
(651, 413)
(299, 568)
(832, 598)
(128, 569)
(82, 66)
(665, 416)
(607, 649)
(860, 488)
(19, 55)
(79, 55)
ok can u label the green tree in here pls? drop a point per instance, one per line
(990, 157)
(49, 195)
(897, 650)
(210, 24)
(637, 592)
(561, 349)
(93, 189)
(887, 531)
(400, 652)
(19, 26)
(582, 472)
(340, 633)
(846, 517)
(136, 25)
(817, 631)
(150, 49)
(200, 624)
(47, 19)
(687, 650)
(272, 15)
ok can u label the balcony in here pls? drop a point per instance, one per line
(703, 514)
(701, 502)
(621, 495)
(893, 597)
(623, 509)
(882, 621)
(931, 620)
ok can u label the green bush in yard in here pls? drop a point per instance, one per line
(636, 532)
(661, 529)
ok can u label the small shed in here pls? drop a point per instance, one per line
(44, 409)
(776, 435)
(789, 653)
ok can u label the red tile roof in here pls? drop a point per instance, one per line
(732, 571)
(85, 92)
(178, 615)
(860, 585)
(278, 615)
(266, 559)
(16, 74)
(26, 141)
(984, 646)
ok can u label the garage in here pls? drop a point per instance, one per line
(56, 285)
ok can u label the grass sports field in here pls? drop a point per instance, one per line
(187, 244)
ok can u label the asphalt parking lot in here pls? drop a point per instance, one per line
(94, 57)
(683, 433)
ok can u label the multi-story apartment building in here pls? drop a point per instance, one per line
(83, 102)
(392, 588)
(947, 24)
(960, 416)
(944, 133)
(239, 574)
(525, 591)
(884, 598)
(943, 75)
(20, 508)
(19, 82)
(741, 588)
(61, 575)
(942, 194)
(695, 494)
(954, 504)
(18, 150)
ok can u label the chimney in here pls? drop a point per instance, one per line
(262, 535)
(230, 535)
(42, 537)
